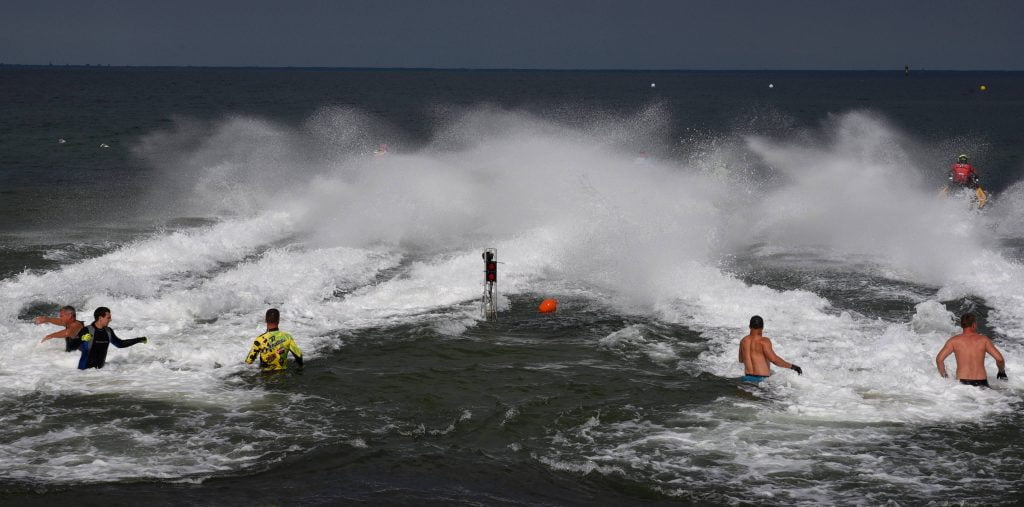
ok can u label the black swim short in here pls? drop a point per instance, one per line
(976, 383)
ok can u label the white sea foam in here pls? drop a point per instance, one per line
(856, 199)
(341, 242)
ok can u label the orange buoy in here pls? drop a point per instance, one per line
(548, 306)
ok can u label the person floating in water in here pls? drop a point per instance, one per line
(970, 348)
(65, 317)
(756, 351)
(97, 337)
(962, 175)
(273, 346)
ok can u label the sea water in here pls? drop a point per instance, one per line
(661, 218)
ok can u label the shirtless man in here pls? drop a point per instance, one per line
(66, 317)
(970, 348)
(756, 351)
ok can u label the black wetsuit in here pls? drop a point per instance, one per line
(975, 383)
(94, 343)
(72, 344)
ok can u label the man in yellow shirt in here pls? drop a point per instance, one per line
(273, 346)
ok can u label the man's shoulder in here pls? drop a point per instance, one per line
(277, 333)
(968, 340)
(972, 337)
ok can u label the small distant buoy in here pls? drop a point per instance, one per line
(652, 85)
(771, 85)
(61, 141)
(548, 306)
(983, 88)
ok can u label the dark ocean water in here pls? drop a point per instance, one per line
(662, 217)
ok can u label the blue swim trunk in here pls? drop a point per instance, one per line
(753, 378)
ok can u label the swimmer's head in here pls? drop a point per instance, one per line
(756, 322)
(68, 312)
(102, 316)
(967, 320)
(273, 316)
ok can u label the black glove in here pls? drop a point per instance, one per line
(1002, 375)
(144, 339)
(797, 369)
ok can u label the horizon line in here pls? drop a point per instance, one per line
(470, 69)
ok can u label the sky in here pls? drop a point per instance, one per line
(486, 34)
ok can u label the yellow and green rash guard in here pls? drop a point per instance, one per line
(273, 347)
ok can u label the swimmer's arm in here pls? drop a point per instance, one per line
(69, 332)
(770, 354)
(741, 351)
(253, 352)
(119, 343)
(48, 320)
(940, 360)
(994, 352)
(295, 350)
(114, 340)
(58, 334)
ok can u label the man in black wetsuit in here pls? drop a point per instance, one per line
(97, 337)
(67, 318)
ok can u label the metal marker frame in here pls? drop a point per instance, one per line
(489, 300)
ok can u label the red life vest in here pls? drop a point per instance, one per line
(962, 173)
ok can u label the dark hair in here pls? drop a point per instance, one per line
(273, 316)
(756, 322)
(967, 320)
(101, 311)
(70, 309)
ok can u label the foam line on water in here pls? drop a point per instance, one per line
(146, 267)
(746, 455)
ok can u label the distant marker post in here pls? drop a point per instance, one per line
(489, 300)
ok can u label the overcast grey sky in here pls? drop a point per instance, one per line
(568, 34)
